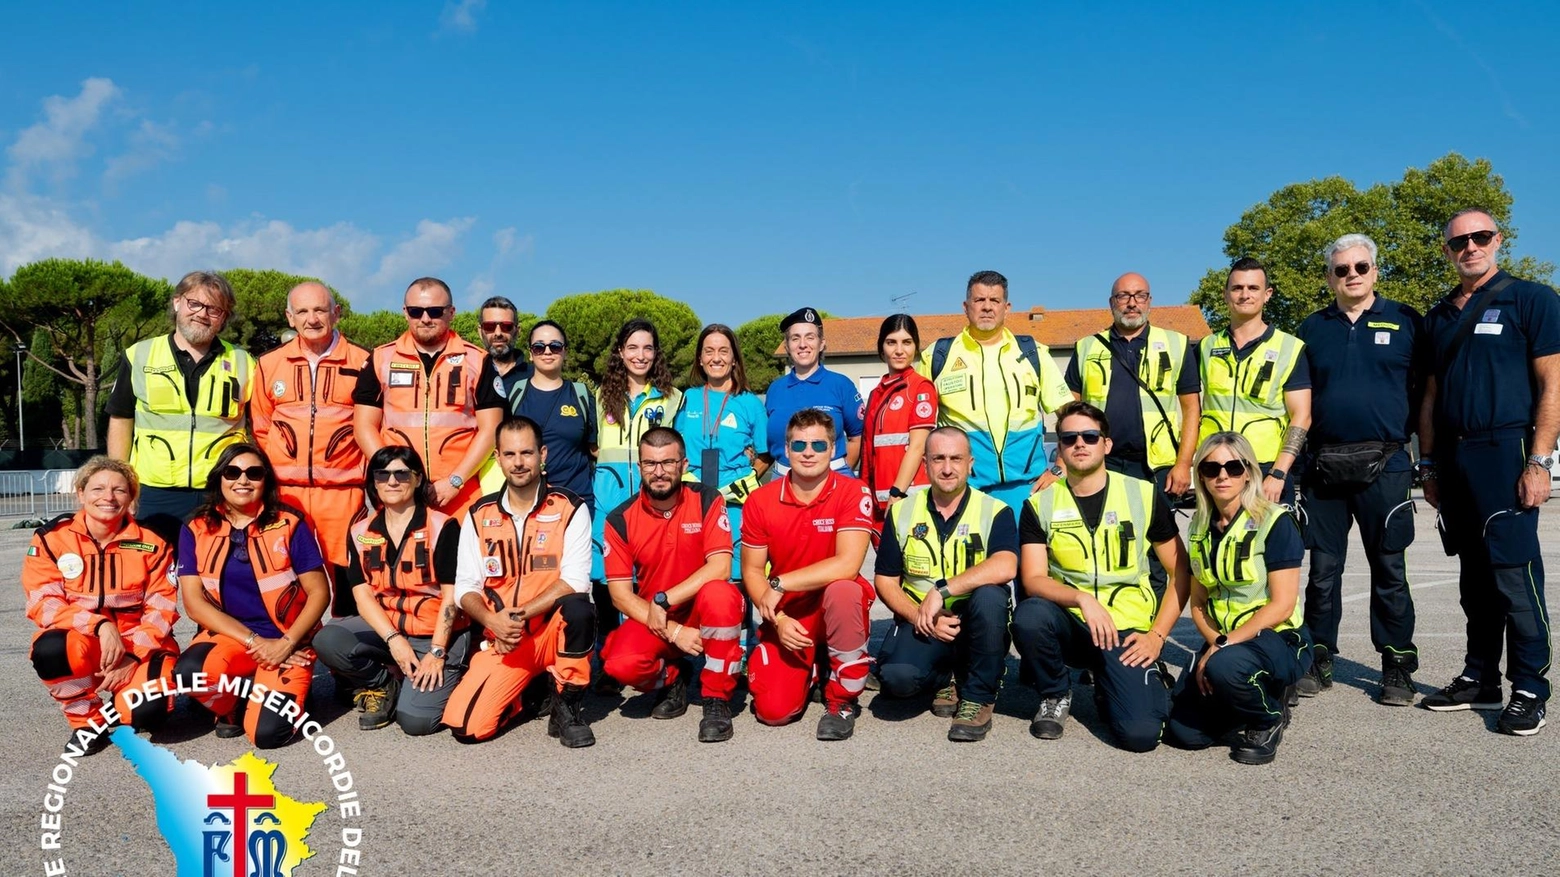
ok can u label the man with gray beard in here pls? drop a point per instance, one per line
(178, 400)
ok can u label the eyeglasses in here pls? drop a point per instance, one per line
(653, 465)
(253, 473)
(1210, 469)
(196, 308)
(1360, 268)
(399, 476)
(818, 446)
(501, 326)
(1089, 436)
(435, 313)
(1460, 242)
(1122, 298)
(553, 347)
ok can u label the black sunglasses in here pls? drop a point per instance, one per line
(238, 540)
(253, 473)
(399, 476)
(1210, 469)
(1089, 436)
(503, 326)
(553, 347)
(436, 312)
(1360, 268)
(818, 445)
(1460, 243)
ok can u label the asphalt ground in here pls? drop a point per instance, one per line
(1357, 788)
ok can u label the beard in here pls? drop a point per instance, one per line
(1131, 321)
(501, 351)
(196, 334)
(662, 495)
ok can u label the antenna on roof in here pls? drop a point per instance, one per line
(899, 300)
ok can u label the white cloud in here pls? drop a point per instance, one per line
(34, 228)
(507, 242)
(150, 145)
(339, 254)
(59, 140)
(435, 245)
(460, 16)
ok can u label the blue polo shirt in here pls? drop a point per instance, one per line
(823, 390)
(1489, 385)
(1124, 400)
(1365, 375)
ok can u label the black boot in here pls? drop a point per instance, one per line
(672, 700)
(567, 721)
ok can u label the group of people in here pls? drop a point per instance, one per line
(489, 535)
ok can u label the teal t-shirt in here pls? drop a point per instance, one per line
(726, 424)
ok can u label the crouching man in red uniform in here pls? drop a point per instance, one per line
(804, 537)
(675, 539)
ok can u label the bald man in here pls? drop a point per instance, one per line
(302, 415)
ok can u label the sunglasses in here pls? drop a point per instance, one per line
(1089, 436)
(1210, 469)
(399, 476)
(436, 312)
(1360, 268)
(553, 347)
(253, 473)
(1460, 243)
(818, 445)
(239, 544)
(503, 326)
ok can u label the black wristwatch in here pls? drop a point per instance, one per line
(1056, 469)
(896, 493)
(1280, 474)
(1221, 641)
(662, 601)
(774, 585)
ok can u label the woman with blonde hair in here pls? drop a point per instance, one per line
(1245, 554)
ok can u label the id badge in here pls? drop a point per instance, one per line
(709, 468)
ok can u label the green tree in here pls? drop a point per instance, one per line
(591, 321)
(759, 338)
(1405, 218)
(373, 328)
(260, 318)
(88, 311)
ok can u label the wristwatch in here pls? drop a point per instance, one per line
(896, 493)
(1278, 473)
(1221, 641)
(1056, 469)
(774, 585)
(1541, 461)
(662, 601)
(437, 652)
(456, 481)
(942, 590)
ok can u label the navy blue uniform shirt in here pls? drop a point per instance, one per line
(1123, 402)
(1490, 384)
(891, 551)
(1364, 375)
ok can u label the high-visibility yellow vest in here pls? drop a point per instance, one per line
(1111, 561)
(175, 443)
(1248, 396)
(927, 557)
(1159, 369)
(1236, 574)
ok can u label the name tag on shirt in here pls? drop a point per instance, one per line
(952, 384)
(1383, 337)
(1488, 329)
(401, 378)
(544, 561)
(1066, 515)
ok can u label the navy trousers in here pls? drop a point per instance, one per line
(910, 664)
(1248, 682)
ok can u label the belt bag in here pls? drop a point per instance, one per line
(1355, 463)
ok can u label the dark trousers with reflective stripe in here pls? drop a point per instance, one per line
(1134, 700)
(1248, 681)
(910, 664)
(1139, 469)
(1502, 578)
(1385, 513)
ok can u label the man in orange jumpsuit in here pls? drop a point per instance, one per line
(423, 390)
(301, 416)
(523, 573)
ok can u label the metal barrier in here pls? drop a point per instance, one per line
(37, 494)
(18, 495)
(59, 492)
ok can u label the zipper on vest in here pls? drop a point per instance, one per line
(313, 409)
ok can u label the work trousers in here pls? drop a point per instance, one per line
(636, 657)
(1385, 514)
(836, 618)
(354, 652)
(330, 512)
(910, 664)
(218, 656)
(67, 661)
(1248, 680)
(1134, 701)
(163, 510)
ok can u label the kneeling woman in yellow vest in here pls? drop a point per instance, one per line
(252, 577)
(1245, 557)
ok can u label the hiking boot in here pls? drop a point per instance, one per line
(536, 701)
(1397, 686)
(232, 724)
(971, 722)
(378, 705)
(1319, 677)
(672, 700)
(567, 721)
(605, 685)
(98, 743)
(1258, 745)
(1291, 698)
(945, 702)
(839, 722)
(1051, 719)
(1463, 693)
(715, 727)
(1523, 716)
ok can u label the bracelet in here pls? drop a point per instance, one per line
(393, 634)
(673, 634)
(1157, 633)
(251, 641)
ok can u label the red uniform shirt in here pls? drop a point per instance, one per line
(799, 535)
(896, 405)
(662, 549)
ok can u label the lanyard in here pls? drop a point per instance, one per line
(711, 432)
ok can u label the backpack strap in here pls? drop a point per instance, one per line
(940, 355)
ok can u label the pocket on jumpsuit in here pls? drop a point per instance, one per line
(1511, 536)
(1397, 532)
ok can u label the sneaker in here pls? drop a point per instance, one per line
(672, 700)
(1397, 686)
(378, 705)
(839, 722)
(1319, 677)
(232, 724)
(100, 742)
(715, 727)
(971, 722)
(1523, 716)
(1258, 745)
(1049, 722)
(1463, 694)
(567, 721)
(945, 702)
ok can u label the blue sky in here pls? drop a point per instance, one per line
(744, 160)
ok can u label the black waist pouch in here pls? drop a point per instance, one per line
(1352, 464)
